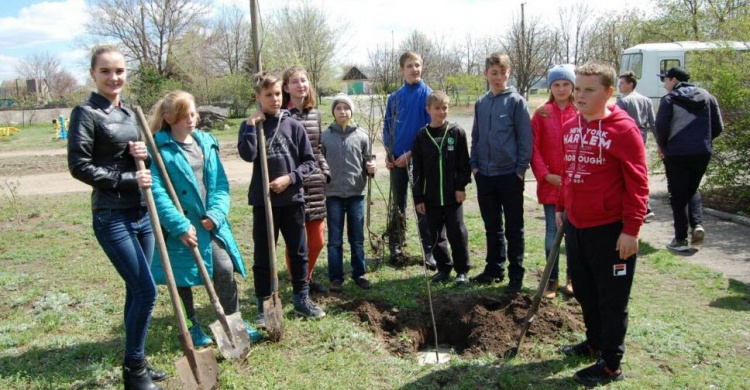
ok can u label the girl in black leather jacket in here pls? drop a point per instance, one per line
(103, 144)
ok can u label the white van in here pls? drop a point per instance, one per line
(649, 59)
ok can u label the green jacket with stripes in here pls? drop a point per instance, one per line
(440, 159)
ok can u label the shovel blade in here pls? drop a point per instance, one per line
(234, 345)
(206, 376)
(274, 316)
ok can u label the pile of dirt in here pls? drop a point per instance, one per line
(472, 325)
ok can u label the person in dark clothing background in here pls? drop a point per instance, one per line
(687, 122)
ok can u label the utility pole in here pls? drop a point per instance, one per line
(255, 35)
(144, 42)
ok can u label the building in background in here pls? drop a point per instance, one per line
(356, 83)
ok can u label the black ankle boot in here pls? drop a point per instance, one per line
(156, 376)
(136, 376)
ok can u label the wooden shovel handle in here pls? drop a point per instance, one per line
(185, 341)
(531, 313)
(267, 202)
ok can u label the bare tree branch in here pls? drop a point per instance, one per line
(144, 29)
(531, 52)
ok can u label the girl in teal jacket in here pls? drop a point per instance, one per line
(192, 161)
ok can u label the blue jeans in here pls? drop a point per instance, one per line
(127, 239)
(695, 210)
(354, 210)
(549, 239)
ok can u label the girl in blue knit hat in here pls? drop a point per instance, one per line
(547, 156)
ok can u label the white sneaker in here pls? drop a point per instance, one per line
(699, 234)
(649, 216)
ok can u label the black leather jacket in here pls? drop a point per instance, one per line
(98, 153)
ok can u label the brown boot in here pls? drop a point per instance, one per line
(551, 291)
(569, 287)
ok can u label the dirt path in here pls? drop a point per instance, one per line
(726, 249)
(42, 152)
(727, 245)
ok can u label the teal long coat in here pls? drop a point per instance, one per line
(175, 224)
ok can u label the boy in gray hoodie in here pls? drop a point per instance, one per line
(346, 148)
(500, 155)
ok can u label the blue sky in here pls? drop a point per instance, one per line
(28, 26)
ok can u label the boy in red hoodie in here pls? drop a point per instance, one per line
(604, 191)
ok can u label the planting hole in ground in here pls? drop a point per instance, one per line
(470, 325)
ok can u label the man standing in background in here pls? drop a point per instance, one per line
(640, 108)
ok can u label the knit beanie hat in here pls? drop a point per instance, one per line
(342, 98)
(561, 72)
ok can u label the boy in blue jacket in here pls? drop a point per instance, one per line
(405, 115)
(500, 155)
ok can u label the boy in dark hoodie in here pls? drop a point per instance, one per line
(440, 158)
(290, 160)
(501, 145)
(604, 191)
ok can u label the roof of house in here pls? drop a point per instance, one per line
(354, 74)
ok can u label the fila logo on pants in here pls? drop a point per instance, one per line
(619, 269)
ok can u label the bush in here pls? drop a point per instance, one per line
(237, 92)
(150, 86)
(726, 75)
(464, 88)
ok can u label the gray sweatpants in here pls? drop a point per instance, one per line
(224, 283)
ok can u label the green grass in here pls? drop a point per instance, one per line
(61, 318)
(39, 136)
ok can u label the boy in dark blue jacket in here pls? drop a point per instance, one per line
(687, 122)
(290, 160)
(441, 169)
(405, 114)
(500, 155)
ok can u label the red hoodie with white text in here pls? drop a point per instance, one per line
(606, 177)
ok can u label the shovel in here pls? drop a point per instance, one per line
(197, 369)
(531, 314)
(272, 311)
(229, 331)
